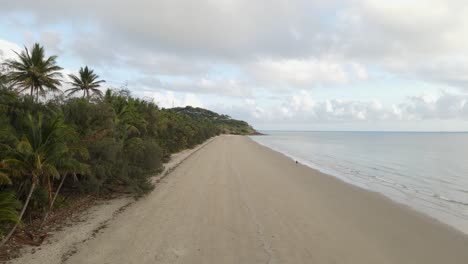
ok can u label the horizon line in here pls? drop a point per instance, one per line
(373, 131)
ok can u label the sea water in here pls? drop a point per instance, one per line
(426, 171)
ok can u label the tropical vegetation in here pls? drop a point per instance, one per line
(87, 82)
(35, 72)
(85, 141)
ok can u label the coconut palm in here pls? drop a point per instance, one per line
(69, 164)
(8, 202)
(87, 82)
(8, 206)
(36, 156)
(3, 81)
(34, 72)
(127, 119)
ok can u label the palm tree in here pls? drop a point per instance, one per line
(33, 71)
(8, 202)
(3, 81)
(127, 119)
(36, 156)
(8, 206)
(69, 164)
(87, 82)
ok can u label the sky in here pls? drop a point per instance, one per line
(278, 64)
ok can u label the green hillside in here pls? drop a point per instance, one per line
(225, 123)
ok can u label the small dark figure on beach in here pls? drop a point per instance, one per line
(297, 162)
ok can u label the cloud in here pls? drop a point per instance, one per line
(169, 99)
(215, 28)
(268, 59)
(50, 39)
(442, 107)
(303, 108)
(407, 38)
(164, 64)
(299, 72)
(219, 86)
(411, 39)
(7, 49)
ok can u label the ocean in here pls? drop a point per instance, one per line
(425, 171)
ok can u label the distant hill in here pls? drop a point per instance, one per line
(225, 123)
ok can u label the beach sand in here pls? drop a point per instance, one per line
(235, 201)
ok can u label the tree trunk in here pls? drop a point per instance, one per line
(49, 189)
(7, 237)
(53, 201)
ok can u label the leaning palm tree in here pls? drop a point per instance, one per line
(34, 72)
(36, 156)
(87, 82)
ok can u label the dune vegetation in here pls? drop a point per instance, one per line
(86, 140)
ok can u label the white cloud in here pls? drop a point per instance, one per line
(299, 72)
(231, 87)
(302, 108)
(360, 71)
(425, 40)
(302, 102)
(50, 39)
(169, 99)
(203, 85)
(438, 107)
(268, 58)
(7, 48)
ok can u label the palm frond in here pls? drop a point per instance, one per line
(86, 81)
(4, 179)
(33, 71)
(8, 208)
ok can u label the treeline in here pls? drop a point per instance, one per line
(225, 123)
(93, 143)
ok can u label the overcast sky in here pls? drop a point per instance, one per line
(292, 64)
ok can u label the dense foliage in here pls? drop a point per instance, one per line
(97, 143)
(225, 123)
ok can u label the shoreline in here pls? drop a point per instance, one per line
(237, 201)
(442, 217)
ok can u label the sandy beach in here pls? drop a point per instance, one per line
(235, 201)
